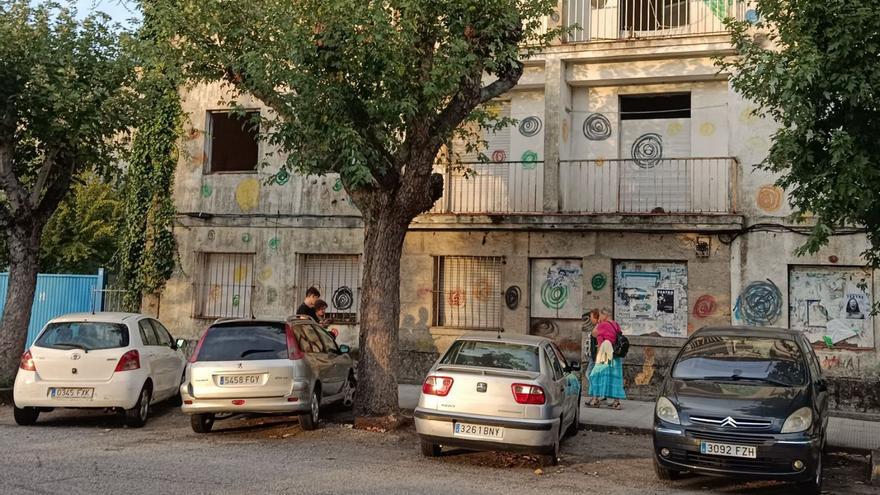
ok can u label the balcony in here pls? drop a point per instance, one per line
(671, 185)
(612, 20)
(704, 186)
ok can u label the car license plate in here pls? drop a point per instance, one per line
(71, 393)
(239, 379)
(728, 450)
(478, 431)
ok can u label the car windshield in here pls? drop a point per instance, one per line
(244, 343)
(492, 355)
(773, 361)
(83, 335)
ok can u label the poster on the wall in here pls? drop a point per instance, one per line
(557, 288)
(651, 298)
(832, 305)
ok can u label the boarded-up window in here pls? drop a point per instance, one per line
(233, 142)
(224, 283)
(831, 304)
(650, 297)
(337, 277)
(467, 291)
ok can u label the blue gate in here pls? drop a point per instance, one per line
(57, 295)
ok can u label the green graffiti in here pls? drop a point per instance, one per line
(246, 237)
(207, 190)
(554, 297)
(236, 300)
(282, 177)
(529, 159)
(828, 341)
(599, 281)
(273, 243)
(337, 186)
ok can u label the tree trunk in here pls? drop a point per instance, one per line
(380, 308)
(24, 249)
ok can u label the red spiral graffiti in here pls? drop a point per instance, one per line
(456, 298)
(705, 306)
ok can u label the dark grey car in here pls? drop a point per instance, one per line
(745, 402)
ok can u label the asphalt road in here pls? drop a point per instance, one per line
(87, 452)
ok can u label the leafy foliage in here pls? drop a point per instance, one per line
(813, 67)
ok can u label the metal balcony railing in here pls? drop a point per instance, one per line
(607, 20)
(671, 185)
(505, 187)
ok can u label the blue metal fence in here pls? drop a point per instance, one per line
(58, 294)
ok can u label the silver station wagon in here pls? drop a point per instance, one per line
(266, 366)
(510, 393)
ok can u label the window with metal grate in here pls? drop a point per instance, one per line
(467, 291)
(224, 284)
(337, 277)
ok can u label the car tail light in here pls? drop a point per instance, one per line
(195, 355)
(131, 360)
(188, 402)
(27, 362)
(527, 394)
(238, 402)
(437, 385)
(292, 346)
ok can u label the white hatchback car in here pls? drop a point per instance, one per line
(120, 361)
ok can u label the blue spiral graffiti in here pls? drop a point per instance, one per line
(760, 303)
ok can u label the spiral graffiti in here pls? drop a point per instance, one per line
(647, 150)
(499, 156)
(597, 127)
(530, 126)
(511, 297)
(544, 328)
(599, 281)
(760, 303)
(456, 298)
(282, 177)
(529, 160)
(337, 186)
(554, 296)
(705, 306)
(770, 198)
(342, 298)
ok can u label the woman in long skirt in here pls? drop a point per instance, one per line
(606, 378)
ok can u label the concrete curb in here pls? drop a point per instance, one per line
(874, 475)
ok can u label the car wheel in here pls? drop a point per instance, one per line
(814, 486)
(137, 415)
(430, 449)
(25, 416)
(348, 390)
(202, 423)
(663, 473)
(309, 420)
(573, 428)
(551, 458)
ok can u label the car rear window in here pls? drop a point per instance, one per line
(244, 343)
(84, 335)
(774, 361)
(492, 354)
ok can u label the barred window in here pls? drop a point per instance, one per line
(467, 291)
(337, 277)
(224, 283)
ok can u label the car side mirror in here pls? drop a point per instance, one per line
(178, 344)
(344, 349)
(573, 366)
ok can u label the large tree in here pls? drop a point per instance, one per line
(63, 88)
(370, 90)
(814, 67)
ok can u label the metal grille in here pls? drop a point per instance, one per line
(337, 277)
(224, 285)
(467, 291)
(108, 299)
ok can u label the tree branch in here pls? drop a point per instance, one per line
(43, 175)
(15, 191)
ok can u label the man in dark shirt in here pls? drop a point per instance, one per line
(308, 306)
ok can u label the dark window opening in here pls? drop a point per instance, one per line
(233, 141)
(665, 106)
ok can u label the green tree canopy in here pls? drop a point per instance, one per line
(814, 67)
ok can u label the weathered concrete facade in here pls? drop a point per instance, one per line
(576, 206)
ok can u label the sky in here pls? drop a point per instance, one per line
(119, 10)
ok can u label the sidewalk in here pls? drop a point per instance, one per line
(843, 433)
